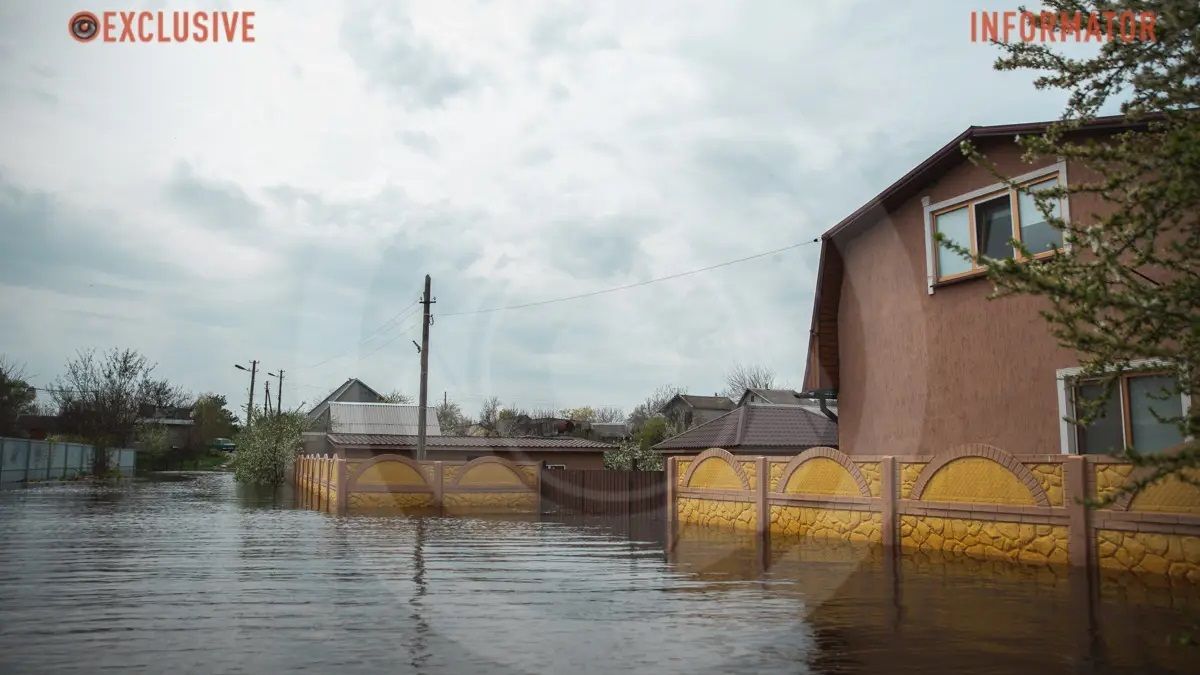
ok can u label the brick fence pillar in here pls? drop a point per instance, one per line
(762, 481)
(672, 472)
(1079, 534)
(888, 494)
(343, 486)
(439, 477)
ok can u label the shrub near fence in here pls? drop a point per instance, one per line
(975, 500)
(24, 460)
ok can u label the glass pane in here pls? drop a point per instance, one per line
(993, 227)
(1103, 435)
(1037, 234)
(953, 225)
(1146, 394)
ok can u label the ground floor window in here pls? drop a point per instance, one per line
(1137, 415)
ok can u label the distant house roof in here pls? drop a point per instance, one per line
(759, 427)
(785, 397)
(337, 394)
(610, 429)
(775, 396)
(465, 443)
(394, 419)
(700, 402)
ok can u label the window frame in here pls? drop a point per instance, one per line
(969, 200)
(1069, 379)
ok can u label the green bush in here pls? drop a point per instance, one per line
(267, 449)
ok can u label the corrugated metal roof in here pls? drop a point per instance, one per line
(404, 442)
(380, 418)
(758, 425)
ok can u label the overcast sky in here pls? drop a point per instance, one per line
(210, 204)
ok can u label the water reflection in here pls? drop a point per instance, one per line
(198, 575)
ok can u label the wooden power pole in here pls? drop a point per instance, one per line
(424, 397)
(249, 404)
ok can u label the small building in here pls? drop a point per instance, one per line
(563, 452)
(687, 410)
(352, 390)
(610, 432)
(757, 428)
(176, 420)
(397, 419)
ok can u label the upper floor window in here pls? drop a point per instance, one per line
(986, 221)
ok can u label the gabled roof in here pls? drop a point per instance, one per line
(509, 444)
(336, 394)
(775, 396)
(701, 402)
(822, 369)
(395, 419)
(758, 426)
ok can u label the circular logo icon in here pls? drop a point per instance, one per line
(83, 26)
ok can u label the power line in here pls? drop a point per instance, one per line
(378, 329)
(647, 282)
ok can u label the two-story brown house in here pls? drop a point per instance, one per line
(920, 359)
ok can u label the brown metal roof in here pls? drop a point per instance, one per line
(758, 425)
(568, 443)
(950, 154)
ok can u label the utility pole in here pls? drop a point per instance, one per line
(267, 397)
(424, 398)
(278, 391)
(253, 370)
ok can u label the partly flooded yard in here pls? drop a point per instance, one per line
(196, 575)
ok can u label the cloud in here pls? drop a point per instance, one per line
(383, 42)
(284, 200)
(211, 202)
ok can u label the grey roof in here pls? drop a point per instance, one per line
(788, 397)
(382, 441)
(758, 426)
(380, 418)
(337, 393)
(610, 428)
(776, 396)
(701, 402)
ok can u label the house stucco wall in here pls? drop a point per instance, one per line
(922, 373)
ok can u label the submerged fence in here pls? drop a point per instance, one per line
(974, 500)
(24, 460)
(604, 492)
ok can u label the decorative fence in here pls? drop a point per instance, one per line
(482, 485)
(976, 500)
(23, 460)
(604, 492)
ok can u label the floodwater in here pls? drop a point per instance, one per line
(197, 575)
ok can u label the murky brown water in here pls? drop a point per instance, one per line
(196, 575)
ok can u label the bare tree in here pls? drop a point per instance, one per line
(489, 415)
(396, 397)
(609, 414)
(99, 396)
(743, 377)
(652, 405)
(451, 418)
